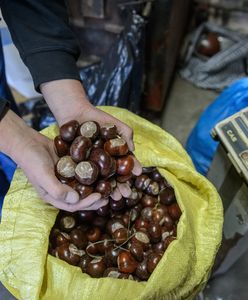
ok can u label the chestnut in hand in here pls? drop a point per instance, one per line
(83, 190)
(103, 160)
(116, 147)
(90, 129)
(142, 182)
(65, 168)
(125, 165)
(68, 130)
(79, 149)
(61, 147)
(104, 188)
(86, 172)
(108, 131)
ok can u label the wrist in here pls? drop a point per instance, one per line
(66, 98)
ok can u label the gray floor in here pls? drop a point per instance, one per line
(183, 108)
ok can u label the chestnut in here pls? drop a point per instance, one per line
(114, 224)
(103, 211)
(141, 271)
(158, 247)
(147, 213)
(155, 232)
(61, 147)
(96, 267)
(65, 167)
(142, 182)
(93, 234)
(163, 184)
(111, 272)
(116, 147)
(136, 249)
(141, 223)
(126, 219)
(141, 238)
(148, 170)
(79, 238)
(89, 129)
(174, 211)
(61, 238)
(156, 176)
(167, 196)
(167, 221)
(104, 188)
(117, 205)
(168, 240)
(153, 188)
(103, 160)
(120, 235)
(124, 178)
(125, 165)
(104, 243)
(86, 172)
(111, 255)
(108, 131)
(126, 262)
(84, 261)
(158, 215)
(148, 201)
(68, 130)
(100, 222)
(165, 233)
(153, 260)
(80, 148)
(83, 190)
(67, 223)
(86, 215)
(99, 143)
(92, 249)
(68, 253)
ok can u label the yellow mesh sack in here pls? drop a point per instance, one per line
(29, 273)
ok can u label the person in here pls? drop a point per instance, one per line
(40, 31)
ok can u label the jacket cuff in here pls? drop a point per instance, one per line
(51, 65)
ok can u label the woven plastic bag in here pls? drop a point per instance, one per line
(30, 273)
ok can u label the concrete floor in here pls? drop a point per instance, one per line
(183, 108)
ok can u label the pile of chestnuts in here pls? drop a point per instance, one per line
(124, 239)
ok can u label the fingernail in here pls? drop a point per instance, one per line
(72, 197)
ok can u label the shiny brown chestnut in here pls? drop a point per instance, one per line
(208, 44)
(168, 240)
(167, 221)
(65, 168)
(61, 147)
(93, 234)
(147, 213)
(103, 243)
(89, 129)
(103, 160)
(126, 262)
(108, 131)
(68, 253)
(124, 178)
(156, 176)
(148, 201)
(167, 196)
(99, 143)
(67, 223)
(100, 222)
(141, 271)
(111, 255)
(83, 190)
(84, 261)
(142, 182)
(92, 249)
(133, 199)
(79, 238)
(116, 147)
(141, 223)
(80, 148)
(153, 260)
(141, 238)
(117, 205)
(125, 165)
(103, 211)
(114, 224)
(158, 247)
(155, 232)
(61, 238)
(153, 188)
(120, 235)
(96, 267)
(148, 170)
(104, 188)
(86, 172)
(68, 130)
(86, 215)
(158, 215)
(136, 249)
(174, 211)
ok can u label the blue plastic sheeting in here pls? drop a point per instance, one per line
(200, 145)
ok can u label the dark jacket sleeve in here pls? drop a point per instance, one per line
(40, 31)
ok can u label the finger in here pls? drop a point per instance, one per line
(127, 134)
(98, 204)
(124, 189)
(57, 190)
(137, 168)
(116, 195)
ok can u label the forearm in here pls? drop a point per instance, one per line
(14, 135)
(65, 98)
